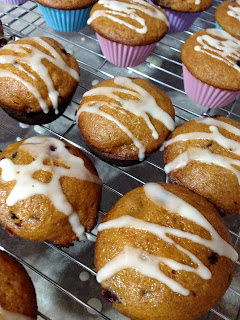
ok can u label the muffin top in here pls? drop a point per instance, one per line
(213, 57)
(228, 17)
(17, 294)
(130, 22)
(36, 74)
(185, 5)
(67, 4)
(163, 252)
(49, 190)
(130, 117)
(204, 156)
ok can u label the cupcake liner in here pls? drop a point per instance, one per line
(14, 1)
(124, 55)
(180, 21)
(65, 20)
(206, 95)
(218, 26)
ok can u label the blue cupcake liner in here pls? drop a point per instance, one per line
(218, 26)
(65, 20)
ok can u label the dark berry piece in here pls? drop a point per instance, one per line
(213, 258)
(14, 155)
(110, 297)
(53, 148)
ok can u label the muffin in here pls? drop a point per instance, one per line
(204, 156)
(66, 16)
(127, 30)
(227, 15)
(37, 79)
(182, 14)
(17, 294)
(49, 190)
(211, 70)
(130, 118)
(163, 252)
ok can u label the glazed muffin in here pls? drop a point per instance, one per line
(163, 252)
(17, 293)
(210, 68)
(127, 30)
(227, 15)
(49, 190)
(204, 156)
(130, 118)
(65, 15)
(182, 14)
(37, 79)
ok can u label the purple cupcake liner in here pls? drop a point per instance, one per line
(180, 21)
(124, 55)
(206, 95)
(65, 20)
(14, 1)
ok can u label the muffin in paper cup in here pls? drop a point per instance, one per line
(182, 14)
(14, 1)
(206, 95)
(123, 55)
(227, 17)
(122, 43)
(65, 18)
(211, 69)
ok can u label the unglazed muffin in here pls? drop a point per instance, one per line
(210, 68)
(17, 293)
(163, 252)
(182, 14)
(204, 156)
(37, 79)
(127, 30)
(227, 15)
(49, 190)
(130, 118)
(66, 15)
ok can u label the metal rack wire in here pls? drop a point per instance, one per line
(55, 272)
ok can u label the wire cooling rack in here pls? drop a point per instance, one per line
(65, 278)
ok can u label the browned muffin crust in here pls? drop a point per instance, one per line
(208, 69)
(218, 184)
(107, 139)
(139, 297)
(227, 22)
(18, 100)
(36, 218)
(120, 33)
(184, 5)
(67, 4)
(17, 293)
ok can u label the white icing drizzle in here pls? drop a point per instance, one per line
(228, 47)
(145, 103)
(34, 60)
(8, 315)
(205, 156)
(215, 135)
(26, 186)
(234, 11)
(148, 264)
(197, 2)
(128, 10)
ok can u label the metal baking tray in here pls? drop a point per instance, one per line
(65, 278)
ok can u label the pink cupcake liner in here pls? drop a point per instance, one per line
(123, 55)
(206, 95)
(14, 1)
(180, 21)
